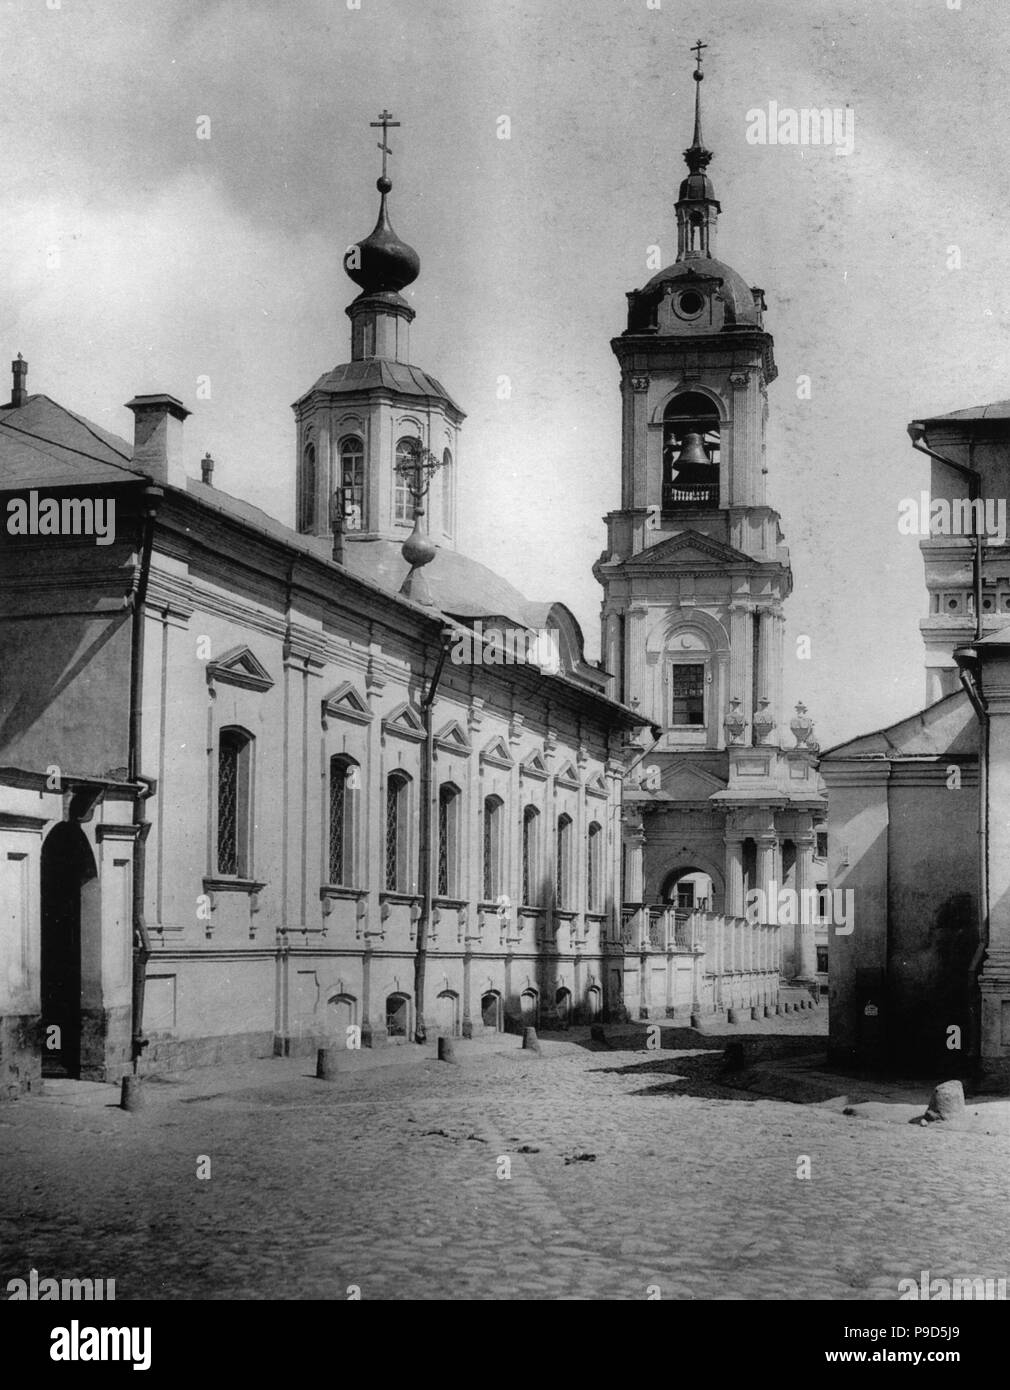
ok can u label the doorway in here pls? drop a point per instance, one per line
(67, 865)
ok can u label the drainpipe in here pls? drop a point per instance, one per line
(967, 669)
(141, 940)
(427, 779)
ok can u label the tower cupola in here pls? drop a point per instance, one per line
(382, 265)
(697, 206)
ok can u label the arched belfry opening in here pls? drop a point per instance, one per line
(68, 866)
(692, 444)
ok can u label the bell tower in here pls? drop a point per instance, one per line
(363, 422)
(695, 576)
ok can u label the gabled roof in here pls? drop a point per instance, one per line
(947, 728)
(43, 444)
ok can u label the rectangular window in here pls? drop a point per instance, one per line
(563, 867)
(531, 870)
(448, 804)
(822, 960)
(492, 848)
(593, 867)
(688, 682)
(234, 803)
(344, 782)
(396, 875)
(821, 848)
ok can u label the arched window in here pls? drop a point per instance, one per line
(345, 783)
(493, 825)
(531, 856)
(691, 452)
(448, 840)
(594, 864)
(447, 487)
(234, 803)
(397, 828)
(352, 480)
(403, 503)
(307, 490)
(563, 866)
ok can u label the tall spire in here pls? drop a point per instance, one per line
(697, 207)
(699, 77)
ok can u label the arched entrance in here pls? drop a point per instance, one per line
(67, 865)
(342, 1013)
(448, 1013)
(688, 888)
(398, 1015)
(563, 1004)
(529, 1007)
(491, 1010)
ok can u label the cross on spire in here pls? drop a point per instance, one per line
(697, 51)
(385, 121)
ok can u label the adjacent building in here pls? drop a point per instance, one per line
(919, 818)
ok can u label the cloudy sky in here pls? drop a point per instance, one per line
(138, 257)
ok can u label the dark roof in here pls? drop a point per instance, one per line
(998, 410)
(44, 443)
(372, 373)
(735, 291)
(458, 585)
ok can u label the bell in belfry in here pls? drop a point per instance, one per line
(693, 475)
(691, 451)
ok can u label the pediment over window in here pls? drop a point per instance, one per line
(497, 752)
(240, 667)
(346, 702)
(404, 721)
(567, 775)
(596, 785)
(453, 738)
(534, 766)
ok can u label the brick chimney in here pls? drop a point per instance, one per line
(19, 389)
(157, 437)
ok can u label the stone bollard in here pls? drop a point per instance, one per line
(696, 1022)
(327, 1066)
(734, 1016)
(787, 1008)
(755, 1011)
(768, 1011)
(132, 1097)
(597, 1035)
(778, 1010)
(531, 1043)
(734, 1058)
(446, 1051)
(946, 1102)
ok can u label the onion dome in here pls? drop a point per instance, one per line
(381, 261)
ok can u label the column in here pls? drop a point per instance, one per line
(806, 951)
(734, 876)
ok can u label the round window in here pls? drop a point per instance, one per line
(690, 303)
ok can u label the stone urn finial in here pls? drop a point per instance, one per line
(803, 727)
(763, 722)
(734, 723)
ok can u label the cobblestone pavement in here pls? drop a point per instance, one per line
(627, 1169)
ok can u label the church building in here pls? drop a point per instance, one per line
(255, 793)
(720, 813)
